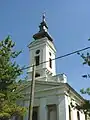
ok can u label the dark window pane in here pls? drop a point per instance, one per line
(50, 53)
(35, 113)
(37, 75)
(38, 51)
(78, 115)
(37, 59)
(69, 113)
(50, 62)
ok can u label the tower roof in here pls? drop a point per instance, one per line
(43, 30)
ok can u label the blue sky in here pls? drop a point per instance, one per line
(68, 22)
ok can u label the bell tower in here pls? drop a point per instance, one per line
(42, 52)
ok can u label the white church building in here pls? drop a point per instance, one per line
(54, 98)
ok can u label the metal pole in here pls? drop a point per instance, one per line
(32, 94)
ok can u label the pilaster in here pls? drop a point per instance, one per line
(62, 108)
(43, 109)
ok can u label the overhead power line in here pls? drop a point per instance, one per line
(65, 55)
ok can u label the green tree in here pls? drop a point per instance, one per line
(9, 72)
(86, 61)
(85, 106)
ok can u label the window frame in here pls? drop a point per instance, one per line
(52, 107)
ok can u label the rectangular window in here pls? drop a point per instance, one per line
(52, 112)
(50, 62)
(35, 113)
(69, 113)
(37, 60)
(78, 115)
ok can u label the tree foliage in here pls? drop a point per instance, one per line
(86, 106)
(86, 61)
(9, 71)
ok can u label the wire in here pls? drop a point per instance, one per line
(65, 55)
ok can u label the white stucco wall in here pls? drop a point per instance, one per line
(46, 95)
(53, 69)
(45, 46)
(49, 97)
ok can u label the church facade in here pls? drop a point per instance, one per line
(54, 98)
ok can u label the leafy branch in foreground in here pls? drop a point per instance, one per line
(9, 72)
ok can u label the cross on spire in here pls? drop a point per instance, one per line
(43, 17)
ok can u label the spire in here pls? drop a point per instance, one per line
(43, 30)
(43, 25)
